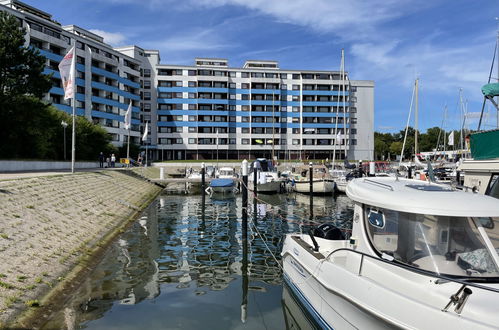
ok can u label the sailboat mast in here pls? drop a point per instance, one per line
(336, 119)
(416, 118)
(461, 106)
(273, 129)
(345, 141)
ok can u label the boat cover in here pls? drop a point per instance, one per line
(485, 145)
(222, 183)
(491, 90)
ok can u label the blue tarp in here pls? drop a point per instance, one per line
(222, 183)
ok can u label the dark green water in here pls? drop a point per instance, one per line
(180, 266)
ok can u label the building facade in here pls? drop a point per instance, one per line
(208, 110)
(107, 80)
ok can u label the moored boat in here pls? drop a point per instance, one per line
(322, 183)
(268, 181)
(416, 248)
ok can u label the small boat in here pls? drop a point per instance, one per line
(225, 181)
(268, 181)
(222, 186)
(322, 183)
(340, 179)
(419, 255)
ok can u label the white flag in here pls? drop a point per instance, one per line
(450, 141)
(338, 138)
(146, 130)
(128, 116)
(67, 69)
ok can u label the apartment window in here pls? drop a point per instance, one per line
(232, 85)
(353, 120)
(244, 74)
(353, 142)
(296, 131)
(147, 72)
(147, 96)
(192, 95)
(179, 141)
(232, 96)
(147, 84)
(232, 118)
(192, 118)
(147, 107)
(177, 118)
(353, 130)
(296, 109)
(245, 130)
(244, 141)
(295, 120)
(191, 72)
(192, 129)
(232, 130)
(284, 86)
(284, 76)
(192, 140)
(295, 142)
(191, 107)
(244, 97)
(232, 74)
(191, 84)
(245, 107)
(296, 87)
(296, 98)
(232, 141)
(244, 86)
(353, 109)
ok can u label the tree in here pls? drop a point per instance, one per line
(395, 148)
(22, 84)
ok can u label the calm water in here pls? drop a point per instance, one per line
(184, 266)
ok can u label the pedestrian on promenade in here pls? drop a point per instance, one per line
(108, 161)
(113, 160)
(101, 160)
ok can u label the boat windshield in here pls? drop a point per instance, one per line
(441, 244)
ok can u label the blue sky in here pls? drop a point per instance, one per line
(447, 43)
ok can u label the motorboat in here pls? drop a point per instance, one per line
(481, 173)
(322, 183)
(225, 181)
(419, 255)
(340, 179)
(268, 181)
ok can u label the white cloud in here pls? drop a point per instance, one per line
(112, 38)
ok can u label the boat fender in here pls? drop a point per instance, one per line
(329, 231)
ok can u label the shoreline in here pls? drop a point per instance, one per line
(54, 230)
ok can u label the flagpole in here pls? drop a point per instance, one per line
(128, 149)
(73, 136)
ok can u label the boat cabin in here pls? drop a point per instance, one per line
(427, 226)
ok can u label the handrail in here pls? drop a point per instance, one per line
(384, 185)
(415, 270)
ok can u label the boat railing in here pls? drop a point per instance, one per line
(440, 278)
(381, 184)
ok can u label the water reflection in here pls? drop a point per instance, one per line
(185, 264)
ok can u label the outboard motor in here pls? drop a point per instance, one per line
(329, 231)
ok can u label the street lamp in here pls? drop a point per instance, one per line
(64, 125)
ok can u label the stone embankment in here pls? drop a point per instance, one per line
(51, 229)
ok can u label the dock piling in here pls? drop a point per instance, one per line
(203, 183)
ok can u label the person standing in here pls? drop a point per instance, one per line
(101, 160)
(113, 160)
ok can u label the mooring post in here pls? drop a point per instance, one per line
(244, 265)
(203, 185)
(311, 175)
(255, 179)
(244, 172)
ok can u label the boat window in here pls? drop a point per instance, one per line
(441, 244)
(493, 187)
(376, 218)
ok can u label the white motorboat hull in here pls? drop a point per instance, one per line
(341, 186)
(273, 187)
(350, 292)
(318, 186)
